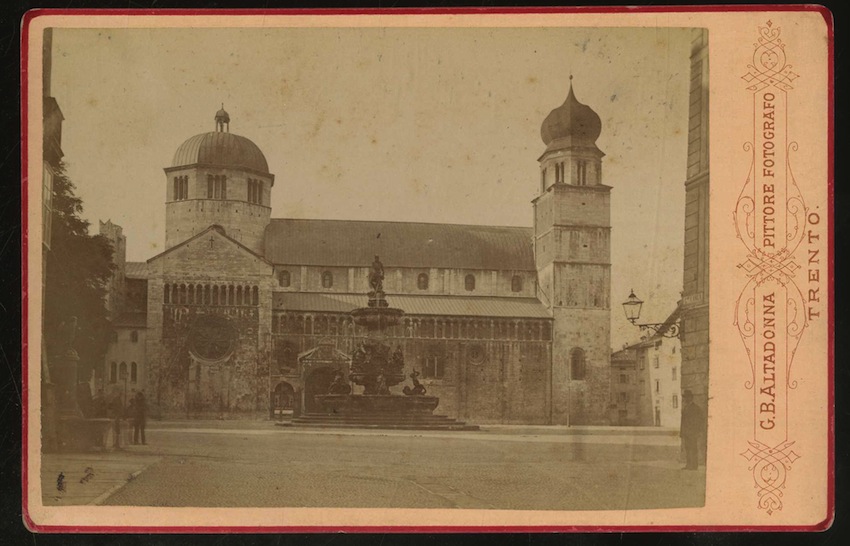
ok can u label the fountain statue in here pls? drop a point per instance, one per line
(375, 364)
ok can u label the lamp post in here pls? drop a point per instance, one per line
(632, 307)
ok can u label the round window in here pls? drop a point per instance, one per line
(212, 337)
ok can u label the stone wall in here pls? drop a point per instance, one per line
(243, 221)
(579, 401)
(402, 280)
(179, 382)
(695, 297)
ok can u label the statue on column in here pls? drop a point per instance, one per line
(376, 276)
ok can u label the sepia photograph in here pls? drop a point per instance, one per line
(337, 271)
(375, 267)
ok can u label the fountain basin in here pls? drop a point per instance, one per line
(377, 319)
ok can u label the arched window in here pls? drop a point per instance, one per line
(578, 366)
(284, 279)
(327, 279)
(422, 281)
(182, 293)
(134, 336)
(166, 294)
(255, 296)
(134, 372)
(122, 371)
(191, 293)
(113, 372)
(469, 283)
(231, 295)
(516, 283)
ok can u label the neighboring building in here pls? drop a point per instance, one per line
(646, 380)
(628, 383)
(695, 296)
(51, 160)
(506, 324)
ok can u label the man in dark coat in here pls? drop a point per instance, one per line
(139, 416)
(692, 430)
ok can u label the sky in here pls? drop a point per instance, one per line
(407, 124)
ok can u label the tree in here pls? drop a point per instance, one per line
(78, 268)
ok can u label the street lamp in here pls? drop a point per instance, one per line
(632, 307)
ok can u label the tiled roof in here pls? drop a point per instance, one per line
(399, 244)
(136, 270)
(462, 306)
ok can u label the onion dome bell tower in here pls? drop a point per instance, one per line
(218, 178)
(572, 236)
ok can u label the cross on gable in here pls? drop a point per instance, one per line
(212, 240)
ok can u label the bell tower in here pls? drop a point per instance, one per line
(572, 248)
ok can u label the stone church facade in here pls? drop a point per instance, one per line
(505, 324)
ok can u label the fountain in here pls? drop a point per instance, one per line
(376, 366)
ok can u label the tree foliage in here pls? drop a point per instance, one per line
(78, 268)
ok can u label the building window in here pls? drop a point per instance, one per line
(655, 361)
(675, 374)
(134, 372)
(578, 366)
(216, 186)
(581, 172)
(422, 281)
(624, 378)
(134, 336)
(283, 279)
(255, 296)
(624, 397)
(675, 401)
(113, 372)
(559, 173)
(181, 188)
(433, 367)
(469, 283)
(657, 386)
(122, 371)
(516, 283)
(327, 279)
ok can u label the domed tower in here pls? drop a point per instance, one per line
(218, 178)
(572, 235)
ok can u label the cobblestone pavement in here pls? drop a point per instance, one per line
(260, 465)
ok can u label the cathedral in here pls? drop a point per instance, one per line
(504, 324)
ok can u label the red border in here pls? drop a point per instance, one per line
(828, 18)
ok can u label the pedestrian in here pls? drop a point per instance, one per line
(115, 411)
(140, 414)
(692, 430)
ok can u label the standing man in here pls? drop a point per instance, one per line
(140, 414)
(692, 429)
(115, 411)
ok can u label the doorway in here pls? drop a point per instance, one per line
(318, 382)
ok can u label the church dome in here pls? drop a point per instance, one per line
(221, 149)
(572, 120)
